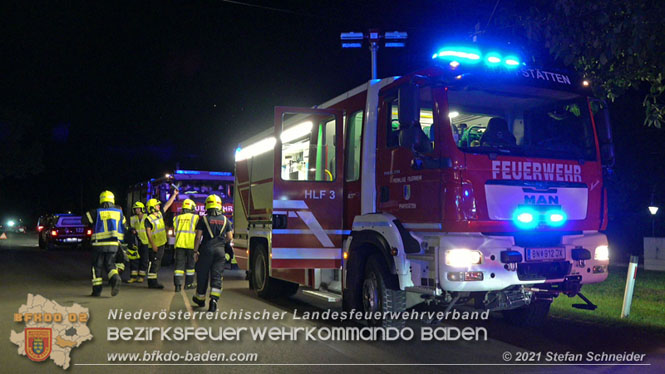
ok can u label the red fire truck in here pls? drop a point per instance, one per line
(479, 180)
(192, 184)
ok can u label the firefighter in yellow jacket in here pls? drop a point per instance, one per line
(185, 237)
(156, 233)
(138, 258)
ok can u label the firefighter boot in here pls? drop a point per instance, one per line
(178, 288)
(115, 284)
(199, 300)
(96, 291)
(132, 280)
(212, 305)
(190, 286)
(139, 279)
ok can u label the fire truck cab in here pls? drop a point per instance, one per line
(479, 179)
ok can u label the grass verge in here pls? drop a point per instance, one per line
(647, 310)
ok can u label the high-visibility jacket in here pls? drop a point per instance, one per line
(109, 227)
(158, 228)
(139, 226)
(185, 230)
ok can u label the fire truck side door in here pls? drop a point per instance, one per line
(307, 195)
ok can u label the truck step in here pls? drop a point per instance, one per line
(328, 296)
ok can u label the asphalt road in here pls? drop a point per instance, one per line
(63, 276)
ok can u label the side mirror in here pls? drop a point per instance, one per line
(604, 128)
(409, 105)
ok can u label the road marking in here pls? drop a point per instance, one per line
(189, 307)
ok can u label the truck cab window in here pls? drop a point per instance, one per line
(426, 118)
(308, 148)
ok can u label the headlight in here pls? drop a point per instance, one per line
(602, 253)
(461, 258)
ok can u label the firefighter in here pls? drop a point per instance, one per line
(139, 259)
(185, 236)
(213, 231)
(108, 226)
(156, 233)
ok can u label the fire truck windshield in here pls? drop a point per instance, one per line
(542, 123)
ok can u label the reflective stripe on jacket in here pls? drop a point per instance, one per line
(185, 230)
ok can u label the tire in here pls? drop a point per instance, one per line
(532, 315)
(378, 297)
(265, 286)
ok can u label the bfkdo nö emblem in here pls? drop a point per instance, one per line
(38, 343)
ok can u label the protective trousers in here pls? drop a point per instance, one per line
(210, 266)
(144, 261)
(103, 262)
(155, 265)
(184, 266)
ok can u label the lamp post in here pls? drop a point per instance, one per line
(653, 209)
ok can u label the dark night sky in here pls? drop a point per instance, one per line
(119, 92)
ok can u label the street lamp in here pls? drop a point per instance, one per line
(653, 210)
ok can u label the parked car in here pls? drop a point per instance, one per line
(64, 229)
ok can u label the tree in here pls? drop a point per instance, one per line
(616, 44)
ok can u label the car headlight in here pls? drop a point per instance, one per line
(461, 258)
(602, 253)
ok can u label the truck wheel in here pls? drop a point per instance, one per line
(264, 286)
(532, 315)
(378, 297)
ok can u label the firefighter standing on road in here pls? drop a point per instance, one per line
(139, 262)
(185, 236)
(108, 224)
(213, 231)
(156, 232)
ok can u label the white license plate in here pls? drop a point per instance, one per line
(545, 254)
(70, 240)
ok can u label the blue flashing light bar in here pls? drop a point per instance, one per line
(470, 55)
(188, 172)
(221, 173)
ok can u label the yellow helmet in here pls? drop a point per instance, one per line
(152, 205)
(188, 204)
(106, 197)
(213, 202)
(139, 205)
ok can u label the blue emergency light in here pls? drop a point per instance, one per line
(527, 218)
(458, 55)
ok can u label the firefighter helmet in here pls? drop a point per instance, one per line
(139, 205)
(213, 202)
(152, 205)
(106, 197)
(188, 204)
